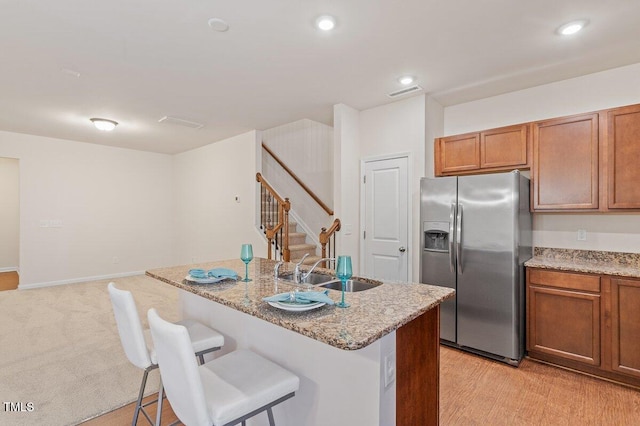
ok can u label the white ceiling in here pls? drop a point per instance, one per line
(140, 60)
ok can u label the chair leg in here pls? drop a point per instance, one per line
(159, 411)
(201, 358)
(139, 402)
(270, 414)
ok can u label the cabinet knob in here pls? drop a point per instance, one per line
(402, 249)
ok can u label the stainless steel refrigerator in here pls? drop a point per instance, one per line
(476, 236)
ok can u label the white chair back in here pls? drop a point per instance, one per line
(179, 371)
(129, 327)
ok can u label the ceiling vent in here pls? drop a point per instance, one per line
(405, 91)
(180, 122)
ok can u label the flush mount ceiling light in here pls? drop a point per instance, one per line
(326, 22)
(406, 80)
(104, 124)
(218, 24)
(572, 27)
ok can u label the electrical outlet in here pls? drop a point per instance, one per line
(582, 235)
(115, 259)
(389, 369)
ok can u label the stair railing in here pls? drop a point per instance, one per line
(327, 237)
(328, 241)
(274, 219)
(298, 181)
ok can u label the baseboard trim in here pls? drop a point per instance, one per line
(10, 269)
(78, 280)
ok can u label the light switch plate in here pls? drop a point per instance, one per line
(389, 369)
(582, 235)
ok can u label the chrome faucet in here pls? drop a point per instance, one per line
(276, 270)
(296, 272)
(299, 276)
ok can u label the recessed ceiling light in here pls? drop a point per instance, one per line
(69, 71)
(218, 24)
(572, 27)
(326, 22)
(104, 124)
(406, 80)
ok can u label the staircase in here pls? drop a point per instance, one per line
(298, 246)
(283, 239)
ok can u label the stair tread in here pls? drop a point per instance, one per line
(302, 247)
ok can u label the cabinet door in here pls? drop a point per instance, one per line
(504, 147)
(564, 323)
(625, 325)
(623, 155)
(563, 315)
(565, 163)
(457, 154)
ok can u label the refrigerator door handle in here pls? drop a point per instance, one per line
(452, 218)
(459, 238)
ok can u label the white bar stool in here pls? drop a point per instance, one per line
(222, 392)
(140, 351)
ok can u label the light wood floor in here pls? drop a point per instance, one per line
(477, 391)
(8, 280)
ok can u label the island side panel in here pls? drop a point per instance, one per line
(337, 387)
(418, 370)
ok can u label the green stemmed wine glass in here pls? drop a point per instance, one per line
(343, 272)
(246, 254)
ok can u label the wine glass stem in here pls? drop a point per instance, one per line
(344, 284)
(246, 271)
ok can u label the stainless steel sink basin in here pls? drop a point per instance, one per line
(351, 285)
(313, 278)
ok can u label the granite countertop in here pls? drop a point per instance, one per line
(588, 261)
(373, 313)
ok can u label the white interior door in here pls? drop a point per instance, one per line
(386, 213)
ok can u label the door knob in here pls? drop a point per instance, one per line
(402, 249)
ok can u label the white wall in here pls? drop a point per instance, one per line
(396, 128)
(607, 89)
(346, 184)
(306, 147)
(208, 223)
(110, 203)
(9, 214)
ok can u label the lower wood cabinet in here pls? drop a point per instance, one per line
(625, 326)
(585, 322)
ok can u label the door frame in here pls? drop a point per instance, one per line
(410, 246)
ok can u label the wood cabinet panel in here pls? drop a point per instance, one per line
(566, 280)
(506, 146)
(564, 323)
(625, 326)
(623, 155)
(458, 153)
(565, 163)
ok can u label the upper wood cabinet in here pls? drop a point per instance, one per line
(457, 154)
(582, 163)
(501, 149)
(623, 155)
(565, 163)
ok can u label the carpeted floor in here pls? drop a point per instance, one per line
(60, 350)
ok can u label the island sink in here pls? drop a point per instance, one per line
(351, 285)
(313, 278)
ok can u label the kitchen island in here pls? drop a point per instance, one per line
(374, 363)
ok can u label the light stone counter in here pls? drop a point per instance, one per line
(373, 313)
(587, 261)
(373, 363)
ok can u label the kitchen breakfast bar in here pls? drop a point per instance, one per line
(373, 363)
